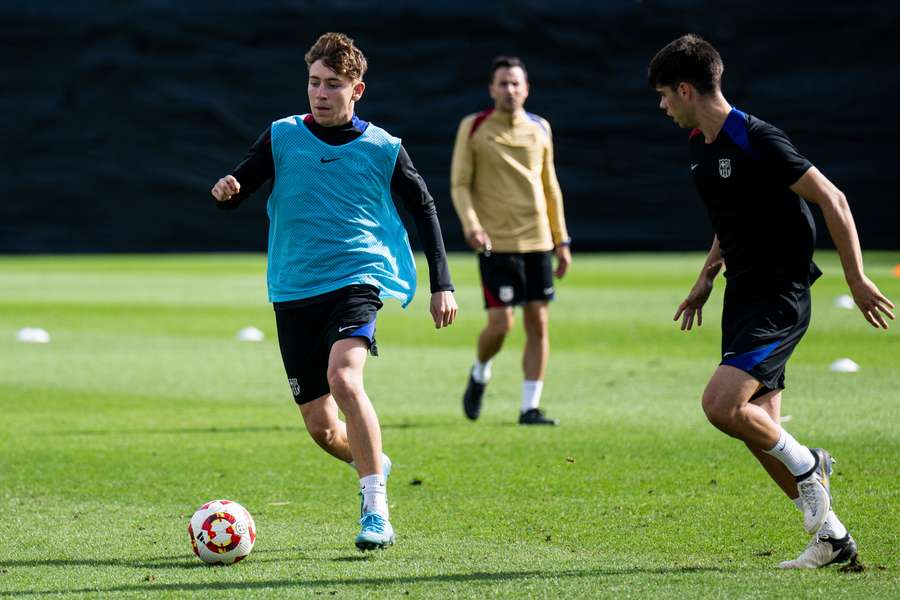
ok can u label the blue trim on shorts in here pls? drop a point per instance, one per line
(748, 360)
(367, 331)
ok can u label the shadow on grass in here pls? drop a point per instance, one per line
(369, 582)
(220, 430)
(163, 562)
(174, 430)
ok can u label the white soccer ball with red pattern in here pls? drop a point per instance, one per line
(222, 532)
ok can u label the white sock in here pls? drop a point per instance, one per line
(795, 456)
(798, 503)
(374, 493)
(481, 371)
(832, 527)
(531, 394)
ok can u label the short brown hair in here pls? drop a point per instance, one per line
(507, 62)
(689, 59)
(339, 54)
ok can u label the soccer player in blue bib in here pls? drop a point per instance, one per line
(337, 247)
(753, 181)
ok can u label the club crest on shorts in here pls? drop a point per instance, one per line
(506, 293)
(295, 386)
(725, 167)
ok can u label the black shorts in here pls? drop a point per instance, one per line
(510, 279)
(308, 328)
(761, 330)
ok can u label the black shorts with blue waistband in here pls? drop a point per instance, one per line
(761, 328)
(308, 328)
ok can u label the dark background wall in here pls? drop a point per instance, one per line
(117, 117)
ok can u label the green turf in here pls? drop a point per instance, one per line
(144, 405)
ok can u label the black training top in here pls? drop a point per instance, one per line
(258, 166)
(766, 232)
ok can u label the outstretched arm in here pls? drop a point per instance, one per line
(816, 188)
(699, 294)
(409, 186)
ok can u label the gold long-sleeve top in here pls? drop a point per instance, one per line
(502, 180)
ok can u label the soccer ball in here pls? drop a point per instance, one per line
(222, 532)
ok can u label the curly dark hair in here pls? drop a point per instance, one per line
(339, 54)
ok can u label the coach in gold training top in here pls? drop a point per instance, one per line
(507, 197)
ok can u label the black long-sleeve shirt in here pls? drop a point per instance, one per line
(258, 166)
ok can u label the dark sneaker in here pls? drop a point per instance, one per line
(823, 551)
(472, 398)
(534, 416)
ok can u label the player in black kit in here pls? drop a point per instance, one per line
(753, 181)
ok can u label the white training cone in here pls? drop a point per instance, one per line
(844, 365)
(250, 334)
(32, 335)
(844, 301)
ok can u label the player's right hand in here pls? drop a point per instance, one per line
(478, 240)
(225, 188)
(693, 304)
(872, 303)
(443, 309)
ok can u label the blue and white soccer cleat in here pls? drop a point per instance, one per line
(376, 532)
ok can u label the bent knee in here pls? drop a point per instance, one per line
(344, 384)
(718, 410)
(322, 433)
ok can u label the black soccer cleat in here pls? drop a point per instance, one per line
(472, 398)
(534, 416)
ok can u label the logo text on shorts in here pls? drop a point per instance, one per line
(295, 386)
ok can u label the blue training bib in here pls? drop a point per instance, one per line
(332, 222)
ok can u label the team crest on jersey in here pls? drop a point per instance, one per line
(295, 386)
(725, 167)
(506, 293)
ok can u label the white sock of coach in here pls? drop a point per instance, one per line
(481, 371)
(531, 394)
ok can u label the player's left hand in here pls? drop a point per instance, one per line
(872, 303)
(563, 260)
(443, 309)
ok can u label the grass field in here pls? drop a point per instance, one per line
(144, 405)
